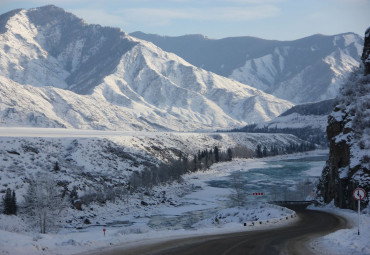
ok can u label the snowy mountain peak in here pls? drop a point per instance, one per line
(94, 77)
(75, 55)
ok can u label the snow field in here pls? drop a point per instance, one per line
(345, 241)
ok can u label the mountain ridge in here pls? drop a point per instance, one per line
(292, 70)
(128, 82)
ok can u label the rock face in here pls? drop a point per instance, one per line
(348, 132)
(366, 53)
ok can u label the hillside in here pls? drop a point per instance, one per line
(307, 121)
(310, 69)
(94, 161)
(58, 71)
(319, 108)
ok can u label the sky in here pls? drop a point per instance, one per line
(267, 19)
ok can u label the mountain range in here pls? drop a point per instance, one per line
(310, 69)
(58, 71)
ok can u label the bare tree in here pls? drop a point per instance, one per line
(44, 202)
(238, 194)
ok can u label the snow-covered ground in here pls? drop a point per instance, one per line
(190, 198)
(296, 120)
(345, 241)
(109, 154)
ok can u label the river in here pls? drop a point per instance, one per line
(280, 178)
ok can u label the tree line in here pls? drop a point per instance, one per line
(174, 169)
(274, 150)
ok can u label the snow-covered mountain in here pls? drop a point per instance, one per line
(310, 69)
(58, 71)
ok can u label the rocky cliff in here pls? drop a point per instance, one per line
(366, 53)
(348, 131)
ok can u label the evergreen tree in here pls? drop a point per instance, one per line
(217, 155)
(14, 206)
(264, 152)
(9, 202)
(56, 167)
(195, 164)
(259, 151)
(229, 155)
(185, 162)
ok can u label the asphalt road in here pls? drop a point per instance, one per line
(291, 239)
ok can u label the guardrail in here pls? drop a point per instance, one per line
(291, 214)
(294, 205)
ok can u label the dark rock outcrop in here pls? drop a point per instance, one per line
(366, 53)
(348, 131)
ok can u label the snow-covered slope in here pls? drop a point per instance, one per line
(57, 71)
(85, 157)
(307, 121)
(306, 70)
(310, 115)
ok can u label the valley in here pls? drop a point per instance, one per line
(112, 141)
(168, 209)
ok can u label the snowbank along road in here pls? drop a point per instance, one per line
(286, 240)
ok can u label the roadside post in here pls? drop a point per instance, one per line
(358, 194)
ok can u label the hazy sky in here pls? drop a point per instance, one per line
(268, 19)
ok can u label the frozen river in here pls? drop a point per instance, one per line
(284, 178)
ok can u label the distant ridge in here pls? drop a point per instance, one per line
(306, 121)
(319, 108)
(305, 70)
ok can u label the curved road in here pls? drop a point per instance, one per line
(285, 240)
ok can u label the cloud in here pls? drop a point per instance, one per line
(361, 2)
(143, 14)
(220, 1)
(254, 1)
(42, 2)
(229, 14)
(95, 16)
